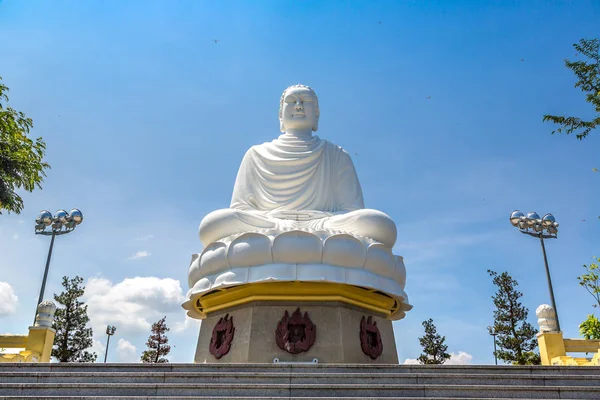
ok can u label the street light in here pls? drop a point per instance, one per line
(543, 228)
(110, 330)
(493, 333)
(60, 224)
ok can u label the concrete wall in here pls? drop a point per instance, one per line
(337, 341)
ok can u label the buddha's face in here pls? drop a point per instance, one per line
(299, 110)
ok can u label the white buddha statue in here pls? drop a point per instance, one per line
(297, 218)
(298, 182)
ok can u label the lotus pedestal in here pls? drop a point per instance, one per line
(296, 296)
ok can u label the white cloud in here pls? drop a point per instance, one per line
(426, 251)
(411, 361)
(187, 324)
(144, 237)
(126, 352)
(16, 236)
(133, 304)
(446, 241)
(99, 348)
(8, 299)
(460, 358)
(140, 254)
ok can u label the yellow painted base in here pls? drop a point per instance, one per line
(551, 345)
(37, 345)
(554, 349)
(368, 299)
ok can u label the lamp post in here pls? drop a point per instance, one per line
(110, 330)
(542, 228)
(493, 333)
(60, 224)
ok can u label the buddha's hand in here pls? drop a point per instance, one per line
(300, 215)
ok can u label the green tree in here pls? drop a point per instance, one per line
(588, 80)
(73, 338)
(21, 158)
(591, 281)
(157, 343)
(516, 337)
(590, 328)
(434, 349)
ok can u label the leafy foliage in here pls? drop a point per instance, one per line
(588, 75)
(591, 281)
(72, 337)
(21, 165)
(515, 336)
(157, 343)
(590, 328)
(434, 349)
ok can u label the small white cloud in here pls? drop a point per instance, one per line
(16, 236)
(145, 237)
(411, 361)
(427, 251)
(140, 254)
(126, 352)
(8, 299)
(186, 324)
(460, 358)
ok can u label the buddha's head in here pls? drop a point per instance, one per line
(299, 108)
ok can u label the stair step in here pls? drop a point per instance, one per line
(294, 381)
(307, 368)
(298, 378)
(238, 398)
(300, 390)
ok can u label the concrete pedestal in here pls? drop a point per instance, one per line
(338, 327)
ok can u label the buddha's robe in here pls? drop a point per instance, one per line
(297, 182)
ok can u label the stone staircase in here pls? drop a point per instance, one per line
(293, 381)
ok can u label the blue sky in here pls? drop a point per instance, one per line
(439, 104)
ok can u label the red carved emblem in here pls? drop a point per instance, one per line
(296, 333)
(370, 338)
(222, 335)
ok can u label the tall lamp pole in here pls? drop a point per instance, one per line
(110, 330)
(542, 228)
(493, 333)
(60, 224)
